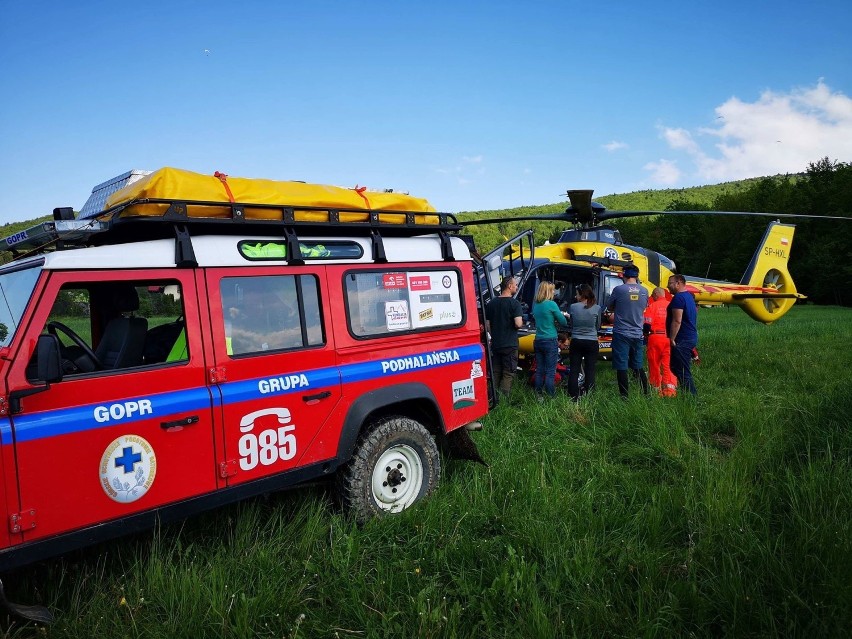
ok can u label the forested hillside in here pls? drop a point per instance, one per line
(720, 247)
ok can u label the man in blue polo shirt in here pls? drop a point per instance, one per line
(682, 328)
(628, 302)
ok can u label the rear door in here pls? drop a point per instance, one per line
(103, 444)
(276, 368)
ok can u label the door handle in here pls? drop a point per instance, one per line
(180, 423)
(316, 397)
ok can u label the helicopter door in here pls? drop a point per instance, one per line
(513, 257)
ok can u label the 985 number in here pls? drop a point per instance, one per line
(270, 445)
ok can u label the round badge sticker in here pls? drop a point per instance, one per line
(128, 467)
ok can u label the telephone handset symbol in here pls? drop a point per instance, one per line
(247, 422)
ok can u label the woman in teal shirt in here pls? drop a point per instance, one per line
(547, 318)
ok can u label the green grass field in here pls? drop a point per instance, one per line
(726, 516)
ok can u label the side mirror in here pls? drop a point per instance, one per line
(48, 367)
(49, 359)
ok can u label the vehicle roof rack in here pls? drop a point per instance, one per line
(134, 221)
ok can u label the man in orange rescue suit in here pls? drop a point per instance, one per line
(659, 348)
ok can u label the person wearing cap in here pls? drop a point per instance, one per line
(682, 326)
(659, 347)
(503, 318)
(627, 302)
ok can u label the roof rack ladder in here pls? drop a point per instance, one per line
(446, 247)
(294, 250)
(378, 247)
(184, 253)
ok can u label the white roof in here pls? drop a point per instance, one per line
(219, 250)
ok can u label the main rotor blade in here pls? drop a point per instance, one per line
(607, 215)
(558, 217)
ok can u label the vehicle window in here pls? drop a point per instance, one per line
(106, 326)
(271, 313)
(16, 287)
(331, 249)
(380, 303)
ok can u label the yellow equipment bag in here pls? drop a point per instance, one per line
(186, 186)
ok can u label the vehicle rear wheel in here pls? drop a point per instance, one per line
(394, 465)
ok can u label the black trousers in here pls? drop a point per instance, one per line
(583, 352)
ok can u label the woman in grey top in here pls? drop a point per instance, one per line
(585, 322)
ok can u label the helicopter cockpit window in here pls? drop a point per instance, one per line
(607, 236)
(611, 280)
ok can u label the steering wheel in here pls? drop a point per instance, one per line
(53, 327)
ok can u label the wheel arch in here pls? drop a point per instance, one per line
(414, 400)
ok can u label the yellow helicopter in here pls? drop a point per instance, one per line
(595, 254)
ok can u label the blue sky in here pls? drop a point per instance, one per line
(473, 105)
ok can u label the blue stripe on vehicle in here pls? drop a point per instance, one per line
(390, 366)
(284, 384)
(81, 418)
(5, 431)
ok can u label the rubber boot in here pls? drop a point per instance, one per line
(643, 380)
(621, 376)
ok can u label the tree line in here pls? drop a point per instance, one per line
(714, 246)
(720, 247)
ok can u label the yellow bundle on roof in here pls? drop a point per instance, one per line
(186, 186)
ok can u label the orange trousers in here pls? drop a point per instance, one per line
(659, 372)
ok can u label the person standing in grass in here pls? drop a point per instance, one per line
(628, 302)
(659, 348)
(682, 326)
(585, 318)
(548, 318)
(503, 318)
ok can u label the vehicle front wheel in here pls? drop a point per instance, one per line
(394, 465)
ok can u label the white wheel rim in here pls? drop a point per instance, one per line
(397, 478)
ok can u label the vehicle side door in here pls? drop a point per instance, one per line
(276, 367)
(128, 427)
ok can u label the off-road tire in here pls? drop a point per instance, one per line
(394, 465)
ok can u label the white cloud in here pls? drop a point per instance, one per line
(663, 172)
(465, 171)
(680, 139)
(614, 146)
(778, 133)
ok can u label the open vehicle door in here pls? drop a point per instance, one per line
(500, 262)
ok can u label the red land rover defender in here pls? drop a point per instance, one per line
(205, 339)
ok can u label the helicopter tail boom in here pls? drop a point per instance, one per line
(773, 291)
(766, 291)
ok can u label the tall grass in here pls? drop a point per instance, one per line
(726, 515)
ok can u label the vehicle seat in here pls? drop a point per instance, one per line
(160, 342)
(123, 341)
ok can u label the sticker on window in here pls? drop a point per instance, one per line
(396, 315)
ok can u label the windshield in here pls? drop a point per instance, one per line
(16, 287)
